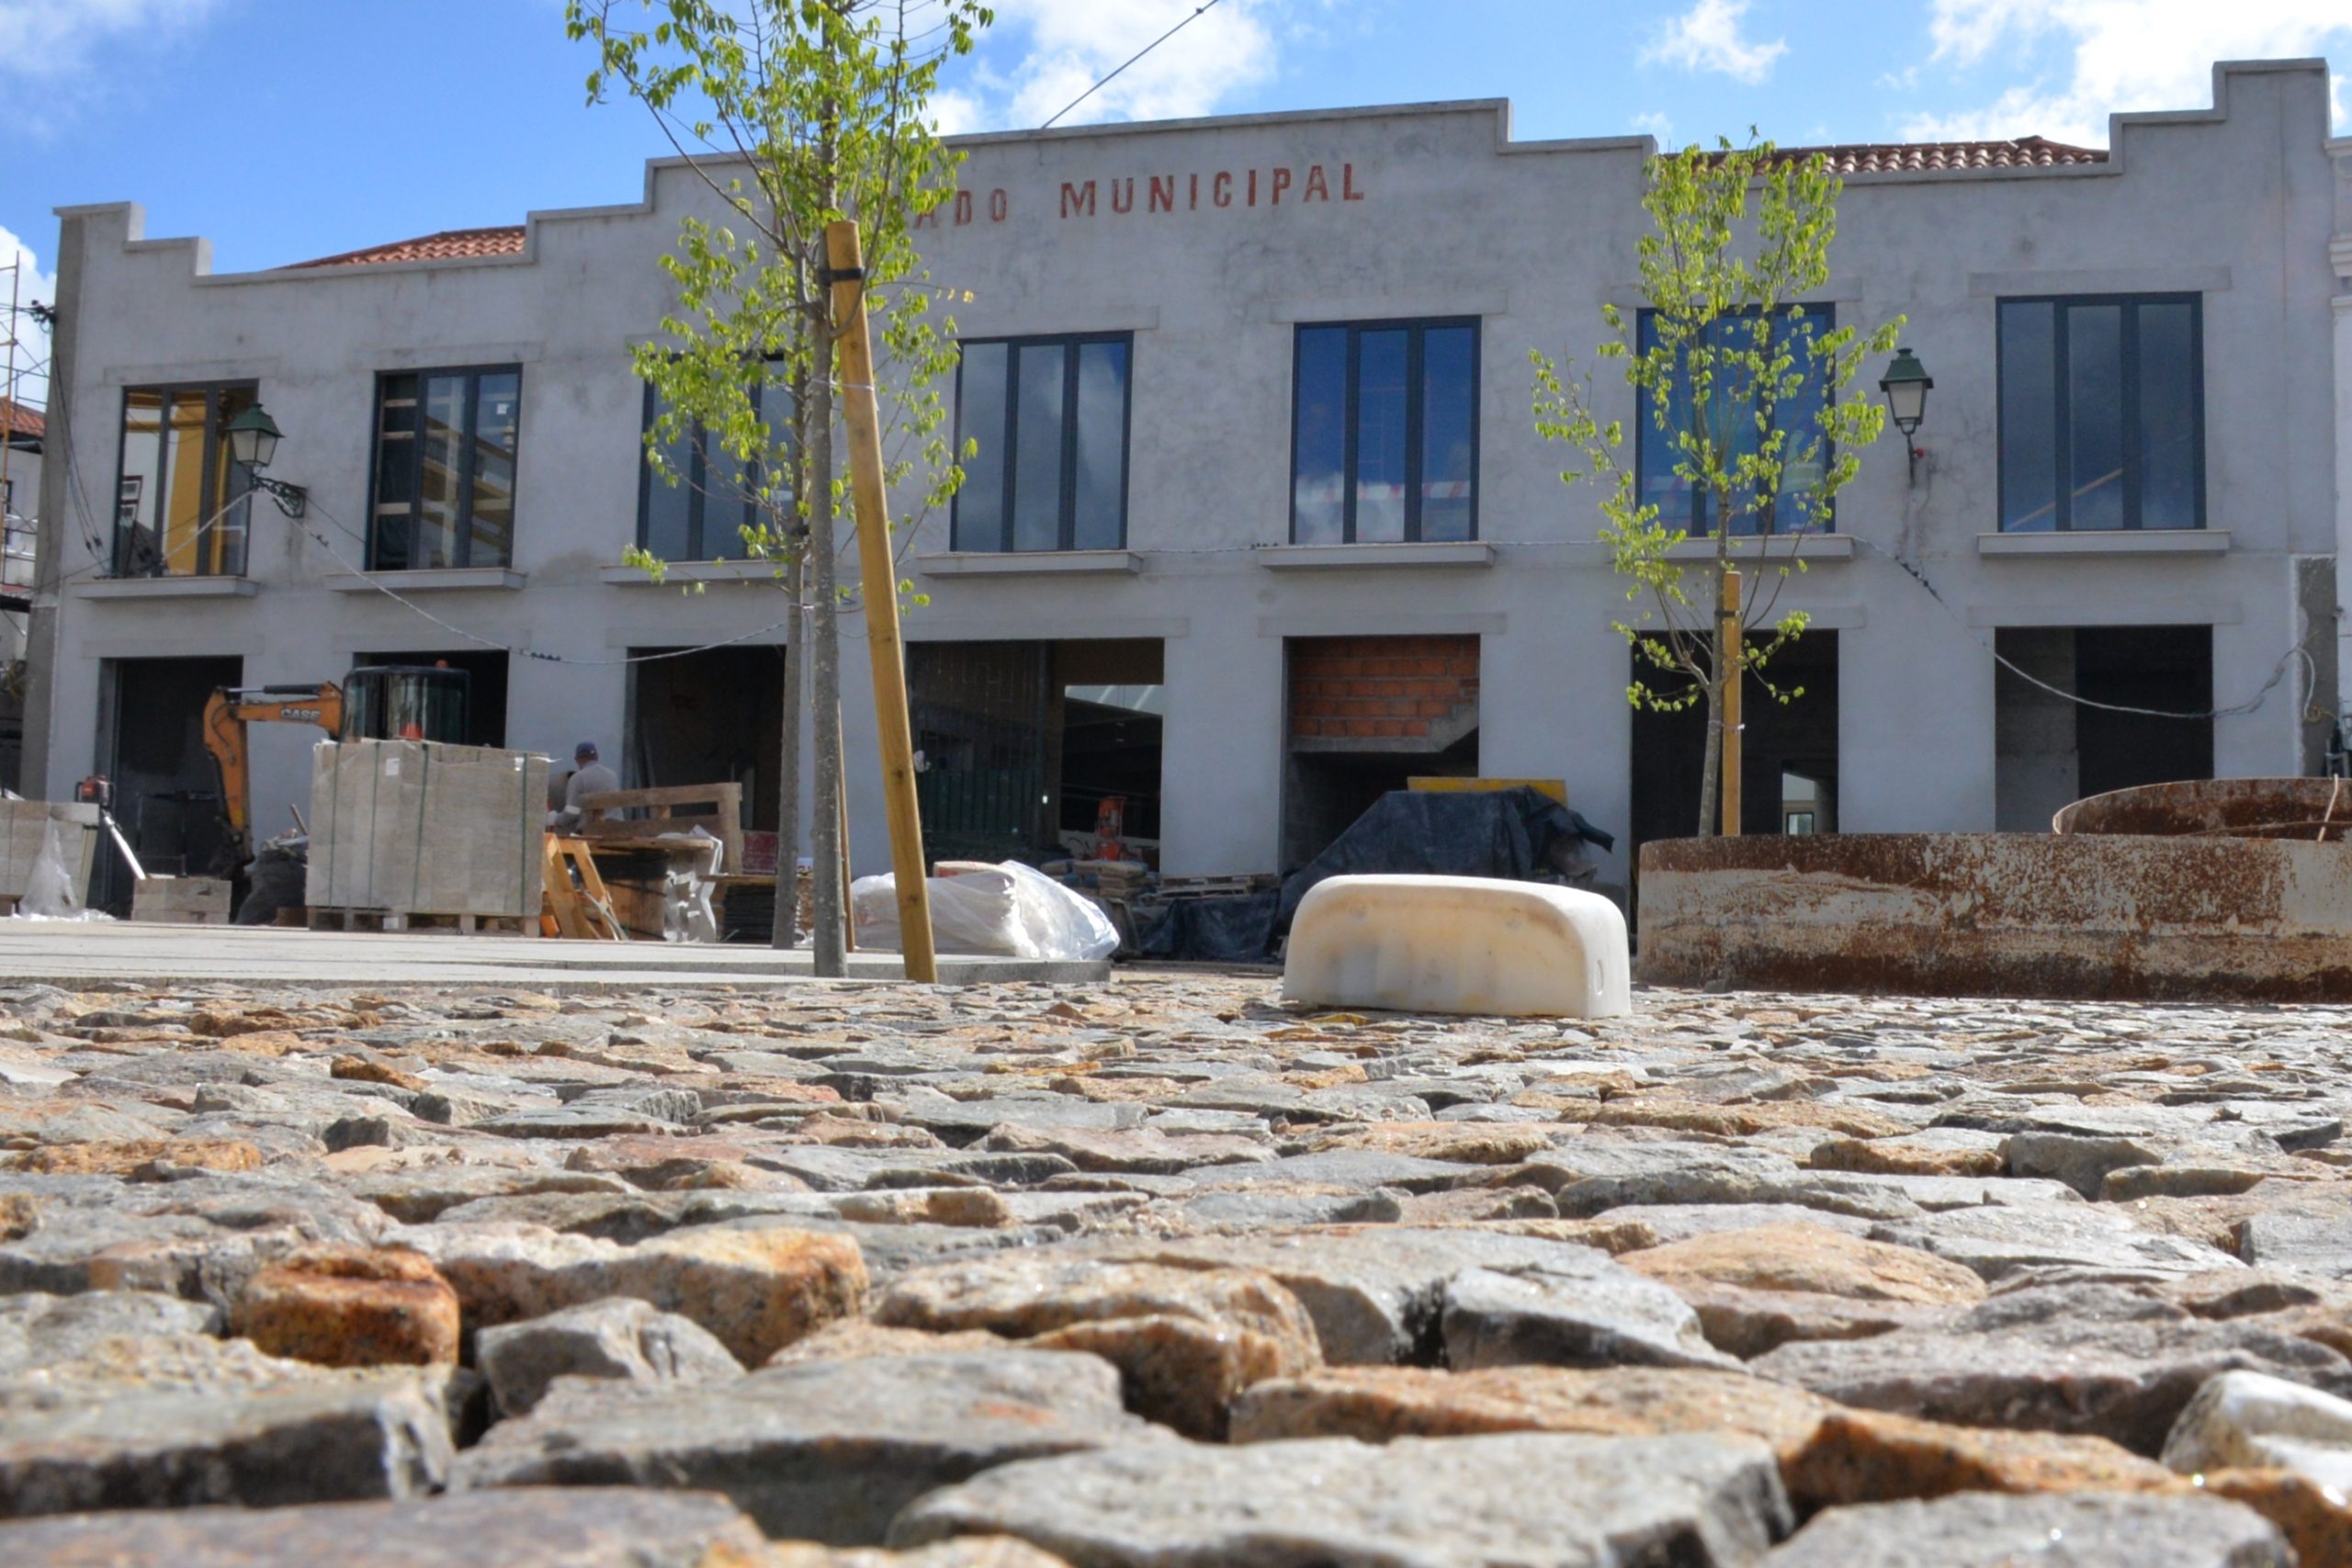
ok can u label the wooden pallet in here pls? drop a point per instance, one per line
(1217, 887)
(723, 819)
(416, 920)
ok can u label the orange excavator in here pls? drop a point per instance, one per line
(375, 702)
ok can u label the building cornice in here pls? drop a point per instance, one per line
(2121, 127)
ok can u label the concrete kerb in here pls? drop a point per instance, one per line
(75, 954)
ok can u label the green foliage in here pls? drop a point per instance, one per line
(1740, 237)
(796, 114)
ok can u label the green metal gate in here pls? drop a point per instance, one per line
(981, 712)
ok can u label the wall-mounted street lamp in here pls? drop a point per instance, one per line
(252, 441)
(1906, 384)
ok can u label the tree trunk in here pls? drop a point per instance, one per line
(830, 943)
(1711, 774)
(786, 932)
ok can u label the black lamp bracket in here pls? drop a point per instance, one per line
(292, 500)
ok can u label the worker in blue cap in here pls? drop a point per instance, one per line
(589, 776)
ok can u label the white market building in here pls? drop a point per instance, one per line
(2136, 472)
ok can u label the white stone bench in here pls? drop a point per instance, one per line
(1458, 944)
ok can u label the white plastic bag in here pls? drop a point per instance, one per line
(972, 912)
(686, 914)
(49, 894)
(988, 911)
(1062, 923)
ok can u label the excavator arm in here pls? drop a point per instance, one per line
(226, 715)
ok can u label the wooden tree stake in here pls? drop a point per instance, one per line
(845, 259)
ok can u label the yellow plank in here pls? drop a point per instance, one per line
(1556, 789)
(879, 577)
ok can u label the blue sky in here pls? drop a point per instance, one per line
(290, 129)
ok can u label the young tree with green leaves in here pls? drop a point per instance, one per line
(1746, 389)
(793, 114)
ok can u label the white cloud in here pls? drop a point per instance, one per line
(54, 38)
(953, 111)
(32, 341)
(1656, 125)
(1707, 38)
(1966, 30)
(1043, 53)
(2125, 55)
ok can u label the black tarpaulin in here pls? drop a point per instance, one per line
(1505, 832)
(1500, 833)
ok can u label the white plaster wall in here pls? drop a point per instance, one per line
(1454, 220)
(2340, 258)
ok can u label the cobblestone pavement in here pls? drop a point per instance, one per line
(1167, 1273)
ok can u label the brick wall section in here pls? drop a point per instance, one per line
(1388, 688)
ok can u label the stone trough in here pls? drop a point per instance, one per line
(2179, 892)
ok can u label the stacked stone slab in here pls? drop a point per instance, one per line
(414, 827)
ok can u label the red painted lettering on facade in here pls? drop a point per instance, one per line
(964, 208)
(1227, 188)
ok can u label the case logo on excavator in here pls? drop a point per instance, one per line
(299, 716)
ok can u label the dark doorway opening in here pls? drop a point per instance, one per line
(166, 789)
(981, 712)
(1325, 793)
(1114, 707)
(1788, 776)
(1022, 745)
(2050, 751)
(485, 670)
(715, 715)
(1365, 716)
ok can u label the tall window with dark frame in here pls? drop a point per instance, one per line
(1049, 416)
(1384, 433)
(2102, 402)
(181, 503)
(1805, 452)
(445, 468)
(703, 515)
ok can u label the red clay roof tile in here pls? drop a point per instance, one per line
(449, 244)
(1918, 157)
